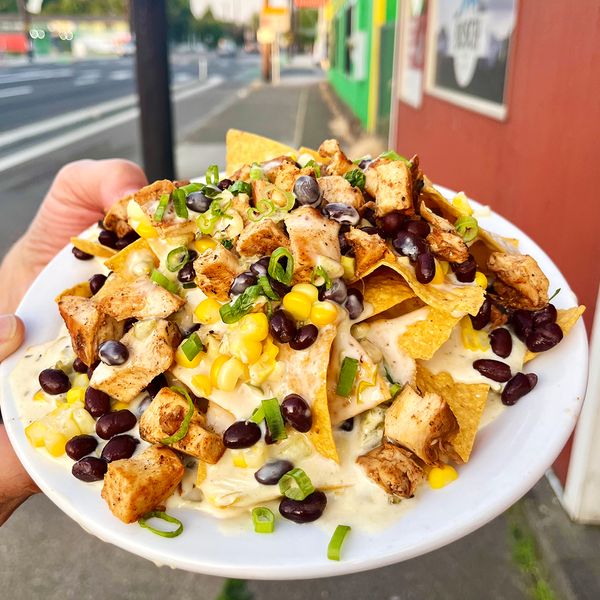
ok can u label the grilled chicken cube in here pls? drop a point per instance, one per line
(390, 182)
(368, 249)
(141, 298)
(339, 163)
(520, 283)
(88, 326)
(215, 271)
(311, 236)
(335, 188)
(424, 425)
(151, 346)
(443, 239)
(164, 417)
(394, 469)
(134, 486)
(261, 239)
(116, 217)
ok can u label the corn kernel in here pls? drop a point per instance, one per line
(254, 326)
(349, 264)
(461, 203)
(55, 442)
(439, 274)
(201, 472)
(308, 289)
(298, 305)
(182, 360)
(80, 380)
(249, 457)
(207, 312)
(473, 339)
(229, 374)
(445, 266)
(481, 280)
(145, 230)
(216, 367)
(204, 243)
(323, 313)
(270, 349)
(76, 394)
(202, 384)
(247, 350)
(440, 477)
(39, 396)
(84, 420)
(116, 405)
(35, 433)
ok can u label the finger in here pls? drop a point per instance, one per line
(12, 333)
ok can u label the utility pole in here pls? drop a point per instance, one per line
(265, 49)
(26, 18)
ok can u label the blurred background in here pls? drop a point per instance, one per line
(499, 98)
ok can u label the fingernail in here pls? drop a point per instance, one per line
(8, 328)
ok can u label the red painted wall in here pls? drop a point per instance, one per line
(541, 167)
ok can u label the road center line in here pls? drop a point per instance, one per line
(21, 90)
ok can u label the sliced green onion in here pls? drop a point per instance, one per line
(356, 178)
(274, 419)
(392, 155)
(212, 175)
(189, 286)
(227, 243)
(243, 304)
(164, 282)
(268, 291)
(296, 484)
(347, 376)
(162, 206)
(181, 209)
(191, 187)
(315, 165)
(240, 187)
(264, 208)
(192, 346)
(467, 228)
(395, 389)
(256, 172)
(177, 258)
(263, 519)
(185, 424)
(206, 222)
(219, 207)
(336, 542)
(276, 271)
(159, 514)
(319, 273)
(258, 415)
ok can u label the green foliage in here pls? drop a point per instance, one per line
(113, 8)
(8, 6)
(235, 589)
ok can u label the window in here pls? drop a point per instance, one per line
(349, 18)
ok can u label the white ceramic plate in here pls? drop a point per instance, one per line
(510, 456)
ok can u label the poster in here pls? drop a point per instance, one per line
(413, 27)
(468, 52)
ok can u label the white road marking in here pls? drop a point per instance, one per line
(36, 75)
(88, 131)
(86, 80)
(22, 90)
(300, 118)
(120, 75)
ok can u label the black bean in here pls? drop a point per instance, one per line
(108, 238)
(127, 239)
(224, 184)
(113, 423)
(54, 381)
(517, 387)
(187, 273)
(425, 267)
(96, 282)
(342, 213)
(391, 223)
(113, 352)
(364, 163)
(121, 446)
(307, 191)
(282, 326)
(91, 368)
(143, 405)
(261, 266)
(544, 337)
(80, 446)
(492, 369)
(465, 271)
(522, 322)
(304, 511)
(101, 224)
(198, 202)
(368, 214)
(296, 412)
(305, 337)
(157, 384)
(97, 402)
(80, 254)
(482, 318)
(242, 282)
(129, 323)
(270, 473)
(501, 342)
(90, 469)
(420, 228)
(354, 303)
(279, 288)
(409, 244)
(345, 247)
(242, 434)
(544, 315)
(189, 330)
(79, 366)
(348, 424)
(370, 229)
(338, 292)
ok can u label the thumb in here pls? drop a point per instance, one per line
(12, 333)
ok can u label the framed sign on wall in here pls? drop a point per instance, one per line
(468, 51)
(413, 25)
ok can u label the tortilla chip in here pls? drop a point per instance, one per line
(466, 400)
(93, 248)
(566, 318)
(385, 289)
(81, 289)
(244, 148)
(306, 374)
(422, 339)
(119, 263)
